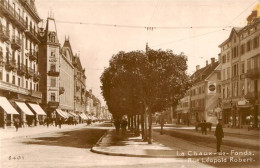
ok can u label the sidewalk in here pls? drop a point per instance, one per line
(232, 137)
(133, 146)
(27, 131)
(240, 131)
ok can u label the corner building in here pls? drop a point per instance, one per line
(240, 59)
(19, 57)
(49, 67)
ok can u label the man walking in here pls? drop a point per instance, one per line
(219, 134)
(16, 123)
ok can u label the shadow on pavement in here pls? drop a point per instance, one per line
(82, 138)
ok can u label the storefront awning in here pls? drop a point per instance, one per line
(66, 114)
(60, 112)
(8, 108)
(73, 114)
(24, 108)
(37, 109)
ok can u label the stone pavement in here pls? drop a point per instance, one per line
(112, 144)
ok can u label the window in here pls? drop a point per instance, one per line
(255, 42)
(242, 67)
(248, 44)
(223, 93)
(30, 85)
(53, 97)
(7, 77)
(13, 81)
(1, 75)
(26, 84)
(224, 59)
(228, 56)
(53, 82)
(37, 87)
(224, 74)
(53, 68)
(242, 49)
(228, 72)
(19, 82)
(242, 88)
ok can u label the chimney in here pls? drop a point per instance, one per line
(207, 62)
(197, 67)
(212, 60)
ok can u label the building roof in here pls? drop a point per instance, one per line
(203, 73)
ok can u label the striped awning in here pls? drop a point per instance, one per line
(24, 108)
(8, 108)
(37, 109)
(60, 112)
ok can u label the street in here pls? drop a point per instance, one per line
(71, 148)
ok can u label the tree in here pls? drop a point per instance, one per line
(157, 78)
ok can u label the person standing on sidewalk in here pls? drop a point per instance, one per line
(16, 123)
(123, 126)
(219, 134)
(204, 127)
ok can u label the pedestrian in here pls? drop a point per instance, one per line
(59, 122)
(123, 126)
(219, 134)
(117, 125)
(204, 127)
(16, 123)
(188, 122)
(47, 122)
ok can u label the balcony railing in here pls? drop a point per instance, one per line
(29, 73)
(53, 73)
(32, 34)
(253, 73)
(11, 65)
(16, 43)
(33, 55)
(11, 13)
(4, 34)
(21, 69)
(36, 77)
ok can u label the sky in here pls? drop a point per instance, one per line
(194, 27)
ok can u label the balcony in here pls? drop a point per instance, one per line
(4, 34)
(53, 73)
(29, 73)
(9, 12)
(53, 104)
(36, 94)
(16, 43)
(62, 90)
(36, 77)
(33, 55)
(253, 73)
(32, 34)
(11, 65)
(21, 70)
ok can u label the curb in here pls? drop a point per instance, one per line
(95, 149)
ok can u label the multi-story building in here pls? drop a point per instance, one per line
(19, 77)
(205, 92)
(49, 67)
(183, 110)
(66, 74)
(79, 86)
(240, 59)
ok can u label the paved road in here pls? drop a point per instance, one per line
(71, 148)
(196, 143)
